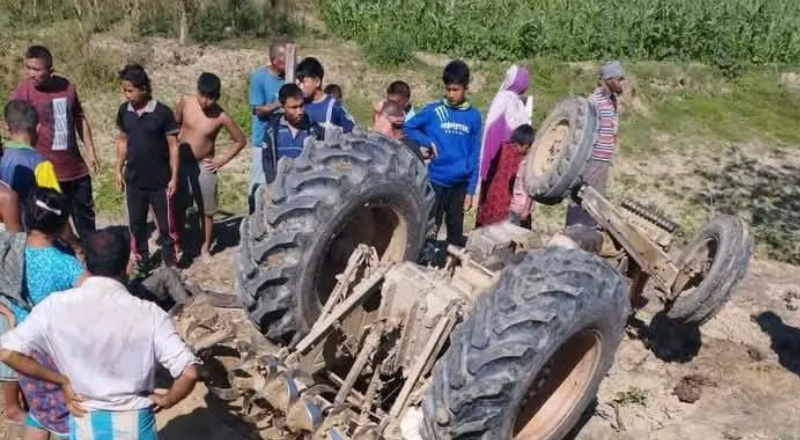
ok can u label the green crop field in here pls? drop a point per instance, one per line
(723, 33)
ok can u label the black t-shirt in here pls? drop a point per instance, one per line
(147, 162)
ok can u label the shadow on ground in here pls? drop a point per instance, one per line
(204, 423)
(226, 235)
(785, 340)
(765, 191)
(668, 339)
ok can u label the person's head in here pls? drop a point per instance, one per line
(334, 90)
(389, 119)
(107, 253)
(399, 92)
(522, 137)
(517, 80)
(394, 113)
(277, 56)
(135, 84)
(612, 75)
(209, 90)
(456, 82)
(38, 64)
(309, 74)
(21, 120)
(46, 211)
(292, 102)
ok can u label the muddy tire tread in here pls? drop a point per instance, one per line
(513, 330)
(291, 213)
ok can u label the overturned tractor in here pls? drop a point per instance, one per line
(345, 333)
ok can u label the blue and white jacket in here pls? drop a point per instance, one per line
(455, 131)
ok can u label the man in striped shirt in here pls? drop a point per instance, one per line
(611, 77)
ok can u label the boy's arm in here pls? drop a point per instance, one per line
(174, 163)
(416, 126)
(239, 141)
(122, 150)
(474, 156)
(521, 203)
(122, 153)
(343, 118)
(85, 133)
(179, 115)
(171, 131)
(9, 210)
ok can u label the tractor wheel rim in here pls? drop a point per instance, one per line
(559, 386)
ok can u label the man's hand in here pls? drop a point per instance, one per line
(172, 186)
(120, 181)
(161, 401)
(467, 202)
(93, 162)
(73, 400)
(213, 165)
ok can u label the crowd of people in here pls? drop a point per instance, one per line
(74, 368)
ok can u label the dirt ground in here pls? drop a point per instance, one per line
(741, 370)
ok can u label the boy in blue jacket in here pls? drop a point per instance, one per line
(321, 109)
(449, 132)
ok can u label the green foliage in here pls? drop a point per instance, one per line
(387, 47)
(721, 33)
(219, 21)
(632, 396)
(159, 19)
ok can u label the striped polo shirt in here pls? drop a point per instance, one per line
(606, 103)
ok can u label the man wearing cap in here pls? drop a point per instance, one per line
(597, 170)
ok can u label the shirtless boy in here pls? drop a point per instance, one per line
(200, 119)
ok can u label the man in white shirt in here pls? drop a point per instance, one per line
(105, 343)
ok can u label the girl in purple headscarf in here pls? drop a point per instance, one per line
(510, 109)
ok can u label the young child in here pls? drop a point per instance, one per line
(503, 197)
(147, 164)
(287, 132)
(201, 119)
(21, 166)
(399, 93)
(449, 132)
(321, 109)
(334, 90)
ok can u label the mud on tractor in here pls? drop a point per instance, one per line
(344, 334)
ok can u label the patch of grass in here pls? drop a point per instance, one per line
(233, 189)
(387, 47)
(107, 200)
(631, 396)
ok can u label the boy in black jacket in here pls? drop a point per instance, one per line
(287, 131)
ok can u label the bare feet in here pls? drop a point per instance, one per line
(205, 255)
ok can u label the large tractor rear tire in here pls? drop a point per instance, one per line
(529, 359)
(554, 166)
(363, 188)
